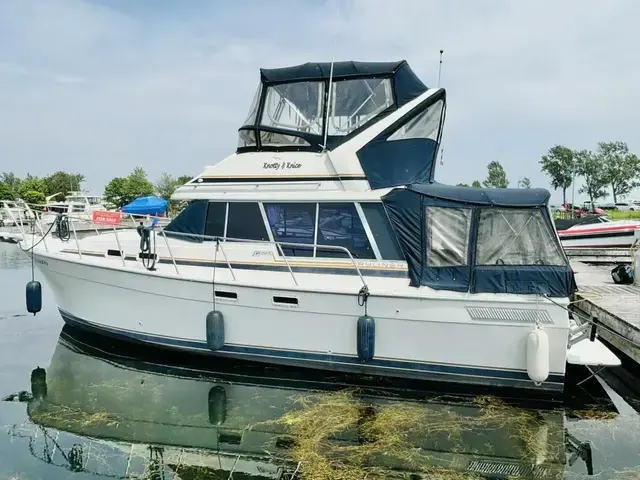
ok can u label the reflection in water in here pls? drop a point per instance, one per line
(143, 420)
(11, 257)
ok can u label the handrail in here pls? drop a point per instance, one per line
(221, 240)
(279, 245)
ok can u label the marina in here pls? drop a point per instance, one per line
(84, 405)
(615, 306)
(370, 267)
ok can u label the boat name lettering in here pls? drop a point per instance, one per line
(42, 262)
(379, 264)
(281, 165)
(260, 253)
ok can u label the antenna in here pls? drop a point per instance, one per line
(326, 114)
(440, 68)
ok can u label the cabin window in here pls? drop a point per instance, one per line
(246, 138)
(295, 223)
(339, 225)
(245, 222)
(425, 125)
(516, 237)
(295, 106)
(447, 236)
(216, 216)
(383, 234)
(353, 103)
(273, 139)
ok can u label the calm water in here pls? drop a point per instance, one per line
(89, 411)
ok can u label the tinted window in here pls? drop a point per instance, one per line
(214, 225)
(382, 233)
(340, 225)
(245, 222)
(295, 223)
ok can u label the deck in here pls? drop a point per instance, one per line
(615, 306)
(599, 255)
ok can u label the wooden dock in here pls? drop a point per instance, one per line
(599, 255)
(616, 307)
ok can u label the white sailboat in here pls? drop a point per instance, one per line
(323, 242)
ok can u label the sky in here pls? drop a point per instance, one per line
(102, 86)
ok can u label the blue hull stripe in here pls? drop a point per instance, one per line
(348, 270)
(502, 376)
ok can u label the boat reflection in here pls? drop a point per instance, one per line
(97, 412)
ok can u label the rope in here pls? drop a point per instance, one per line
(148, 261)
(32, 244)
(213, 280)
(62, 230)
(33, 240)
(363, 296)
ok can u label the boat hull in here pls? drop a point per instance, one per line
(618, 237)
(417, 338)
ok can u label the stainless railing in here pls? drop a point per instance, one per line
(218, 243)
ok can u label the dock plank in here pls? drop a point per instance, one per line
(615, 306)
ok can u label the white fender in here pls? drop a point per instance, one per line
(538, 355)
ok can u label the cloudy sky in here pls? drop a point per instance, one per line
(101, 86)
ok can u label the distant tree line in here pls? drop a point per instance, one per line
(497, 178)
(118, 192)
(35, 190)
(611, 168)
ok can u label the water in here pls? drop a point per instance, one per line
(88, 410)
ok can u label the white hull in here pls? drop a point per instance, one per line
(420, 333)
(602, 236)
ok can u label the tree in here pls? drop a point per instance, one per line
(462, 185)
(524, 183)
(560, 165)
(183, 179)
(497, 177)
(622, 168)
(166, 185)
(476, 184)
(6, 192)
(31, 184)
(33, 197)
(121, 191)
(10, 179)
(591, 168)
(63, 183)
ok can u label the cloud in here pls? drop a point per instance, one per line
(102, 86)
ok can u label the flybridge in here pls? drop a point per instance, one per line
(346, 126)
(295, 107)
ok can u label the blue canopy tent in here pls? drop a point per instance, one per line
(479, 240)
(150, 205)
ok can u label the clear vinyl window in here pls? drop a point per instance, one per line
(447, 236)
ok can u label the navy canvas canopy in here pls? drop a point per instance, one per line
(150, 205)
(406, 84)
(484, 223)
(503, 197)
(388, 161)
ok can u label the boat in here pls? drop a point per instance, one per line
(99, 403)
(77, 205)
(14, 213)
(597, 231)
(324, 242)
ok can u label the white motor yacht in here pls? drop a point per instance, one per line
(323, 242)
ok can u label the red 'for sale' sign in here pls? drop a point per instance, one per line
(106, 218)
